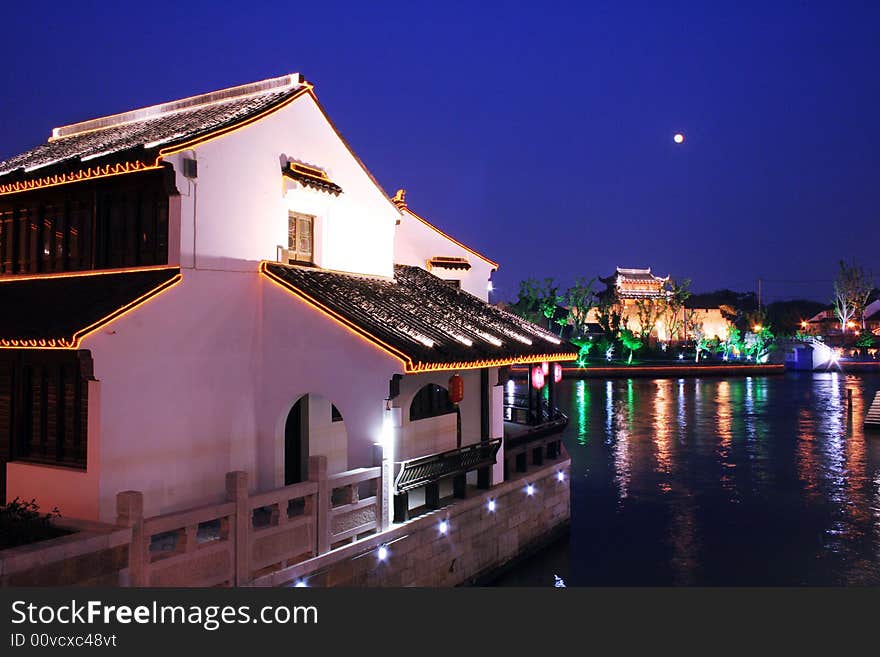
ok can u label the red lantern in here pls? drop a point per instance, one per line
(537, 377)
(557, 372)
(456, 388)
(545, 368)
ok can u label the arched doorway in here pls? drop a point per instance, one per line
(314, 425)
(296, 443)
(433, 400)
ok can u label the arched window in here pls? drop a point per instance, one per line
(430, 401)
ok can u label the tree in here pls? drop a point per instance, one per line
(677, 295)
(631, 342)
(701, 340)
(527, 304)
(756, 320)
(609, 313)
(852, 287)
(733, 341)
(549, 300)
(758, 343)
(561, 322)
(649, 310)
(580, 299)
(584, 345)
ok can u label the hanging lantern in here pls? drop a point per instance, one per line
(456, 388)
(545, 368)
(537, 377)
(557, 372)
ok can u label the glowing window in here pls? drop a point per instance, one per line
(300, 238)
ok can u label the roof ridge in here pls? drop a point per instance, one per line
(291, 81)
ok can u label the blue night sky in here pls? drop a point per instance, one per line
(539, 133)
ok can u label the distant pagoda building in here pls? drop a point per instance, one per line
(632, 284)
(630, 287)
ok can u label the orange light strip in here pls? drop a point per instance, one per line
(222, 132)
(336, 317)
(409, 366)
(452, 239)
(77, 338)
(498, 362)
(13, 278)
(351, 152)
(92, 173)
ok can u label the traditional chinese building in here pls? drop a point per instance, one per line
(634, 287)
(633, 284)
(218, 283)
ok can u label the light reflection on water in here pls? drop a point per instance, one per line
(740, 481)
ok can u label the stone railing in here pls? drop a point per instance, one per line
(91, 554)
(250, 535)
(351, 516)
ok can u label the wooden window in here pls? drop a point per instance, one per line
(118, 222)
(300, 238)
(7, 239)
(44, 406)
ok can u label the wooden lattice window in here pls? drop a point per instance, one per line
(44, 406)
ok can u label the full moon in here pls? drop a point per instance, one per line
(678, 138)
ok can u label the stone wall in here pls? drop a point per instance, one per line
(477, 541)
(93, 554)
(221, 545)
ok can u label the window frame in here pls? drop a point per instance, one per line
(294, 255)
(45, 405)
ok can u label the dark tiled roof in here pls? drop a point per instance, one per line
(636, 275)
(57, 311)
(317, 180)
(421, 320)
(115, 140)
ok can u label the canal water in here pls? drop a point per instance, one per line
(718, 481)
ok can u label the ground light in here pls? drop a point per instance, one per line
(300, 584)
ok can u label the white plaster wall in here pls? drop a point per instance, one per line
(198, 382)
(327, 437)
(237, 208)
(305, 352)
(443, 432)
(74, 492)
(714, 324)
(427, 436)
(415, 243)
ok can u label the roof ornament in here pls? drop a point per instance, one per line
(400, 199)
